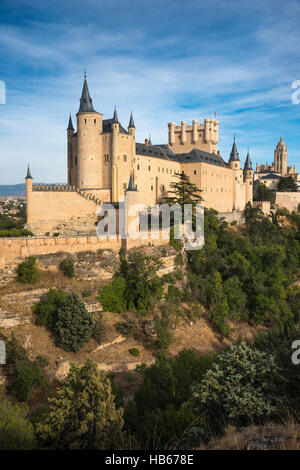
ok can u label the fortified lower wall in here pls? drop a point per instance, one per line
(289, 200)
(20, 248)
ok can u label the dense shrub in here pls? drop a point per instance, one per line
(74, 325)
(157, 417)
(100, 330)
(126, 328)
(46, 309)
(25, 375)
(27, 271)
(12, 233)
(66, 316)
(143, 286)
(134, 351)
(238, 390)
(112, 296)
(67, 267)
(83, 415)
(16, 432)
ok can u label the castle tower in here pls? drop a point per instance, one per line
(131, 130)
(248, 178)
(280, 158)
(28, 181)
(235, 165)
(89, 142)
(184, 138)
(115, 126)
(70, 134)
(132, 202)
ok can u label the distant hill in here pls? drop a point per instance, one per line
(12, 190)
(17, 190)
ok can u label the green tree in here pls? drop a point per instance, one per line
(67, 267)
(16, 432)
(74, 325)
(238, 390)
(83, 414)
(287, 184)
(262, 193)
(143, 286)
(183, 191)
(46, 309)
(27, 271)
(112, 296)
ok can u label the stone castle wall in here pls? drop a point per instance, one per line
(289, 200)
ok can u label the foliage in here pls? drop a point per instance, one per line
(15, 232)
(287, 184)
(74, 324)
(262, 193)
(157, 417)
(27, 271)
(27, 381)
(86, 293)
(278, 341)
(100, 330)
(66, 316)
(238, 390)
(26, 375)
(112, 296)
(83, 414)
(67, 267)
(46, 309)
(143, 286)
(126, 328)
(246, 274)
(16, 432)
(134, 351)
(183, 191)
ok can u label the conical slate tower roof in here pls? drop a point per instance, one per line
(234, 155)
(70, 125)
(28, 176)
(248, 163)
(131, 121)
(115, 116)
(86, 102)
(131, 184)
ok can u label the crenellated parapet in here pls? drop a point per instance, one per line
(52, 187)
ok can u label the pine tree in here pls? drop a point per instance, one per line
(83, 415)
(183, 191)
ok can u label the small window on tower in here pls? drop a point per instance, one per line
(149, 168)
(95, 121)
(195, 172)
(125, 158)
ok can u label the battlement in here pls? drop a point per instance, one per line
(53, 187)
(185, 137)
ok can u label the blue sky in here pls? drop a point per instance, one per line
(167, 60)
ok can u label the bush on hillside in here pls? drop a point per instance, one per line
(112, 296)
(67, 267)
(27, 271)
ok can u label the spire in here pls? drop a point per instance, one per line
(131, 183)
(86, 102)
(248, 163)
(28, 176)
(234, 155)
(149, 141)
(131, 121)
(115, 116)
(70, 125)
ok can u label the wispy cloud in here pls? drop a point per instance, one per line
(166, 63)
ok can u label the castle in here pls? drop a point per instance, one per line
(102, 155)
(271, 174)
